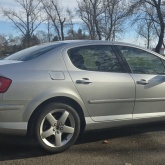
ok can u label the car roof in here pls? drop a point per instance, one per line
(90, 42)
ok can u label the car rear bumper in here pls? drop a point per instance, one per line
(11, 119)
(16, 128)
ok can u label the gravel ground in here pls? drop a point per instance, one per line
(138, 145)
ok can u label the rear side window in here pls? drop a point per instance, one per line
(95, 58)
(33, 52)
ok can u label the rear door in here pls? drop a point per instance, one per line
(106, 90)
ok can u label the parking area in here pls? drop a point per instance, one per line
(137, 145)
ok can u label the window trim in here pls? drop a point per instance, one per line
(122, 60)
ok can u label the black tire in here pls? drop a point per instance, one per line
(53, 133)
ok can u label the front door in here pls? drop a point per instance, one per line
(148, 73)
(107, 92)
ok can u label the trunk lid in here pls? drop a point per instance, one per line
(6, 62)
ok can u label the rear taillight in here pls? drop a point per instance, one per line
(4, 84)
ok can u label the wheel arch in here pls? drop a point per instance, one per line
(59, 99)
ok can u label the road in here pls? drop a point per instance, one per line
(138, 145)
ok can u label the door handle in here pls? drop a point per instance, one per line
(83, 81)
(142, 82)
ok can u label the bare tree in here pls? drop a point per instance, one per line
(9, 44)
(2, 39)
(70, 22)
(49, 34)
(158, 18)
(79, 34)
(146, 31)
(54, 12)
(145, 26)
(27, 19)
(115, 14)
(90, 12)
(43, 36)
(103, 18)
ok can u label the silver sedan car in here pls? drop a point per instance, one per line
(56, 90)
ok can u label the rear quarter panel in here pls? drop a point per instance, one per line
(32, 84)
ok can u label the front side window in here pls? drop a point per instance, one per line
(95, 58)
(142, 62)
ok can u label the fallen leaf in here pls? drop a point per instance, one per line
(105, 142)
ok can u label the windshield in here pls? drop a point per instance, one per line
(33, 52)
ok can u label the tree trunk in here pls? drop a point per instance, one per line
(162, 27)
(62, 30)
(160, 42)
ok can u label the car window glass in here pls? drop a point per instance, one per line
(33, 52)
(142, 62)
(95, 58)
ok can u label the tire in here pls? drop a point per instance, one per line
(57, 127)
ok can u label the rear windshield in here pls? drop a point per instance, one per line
(33, 52)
